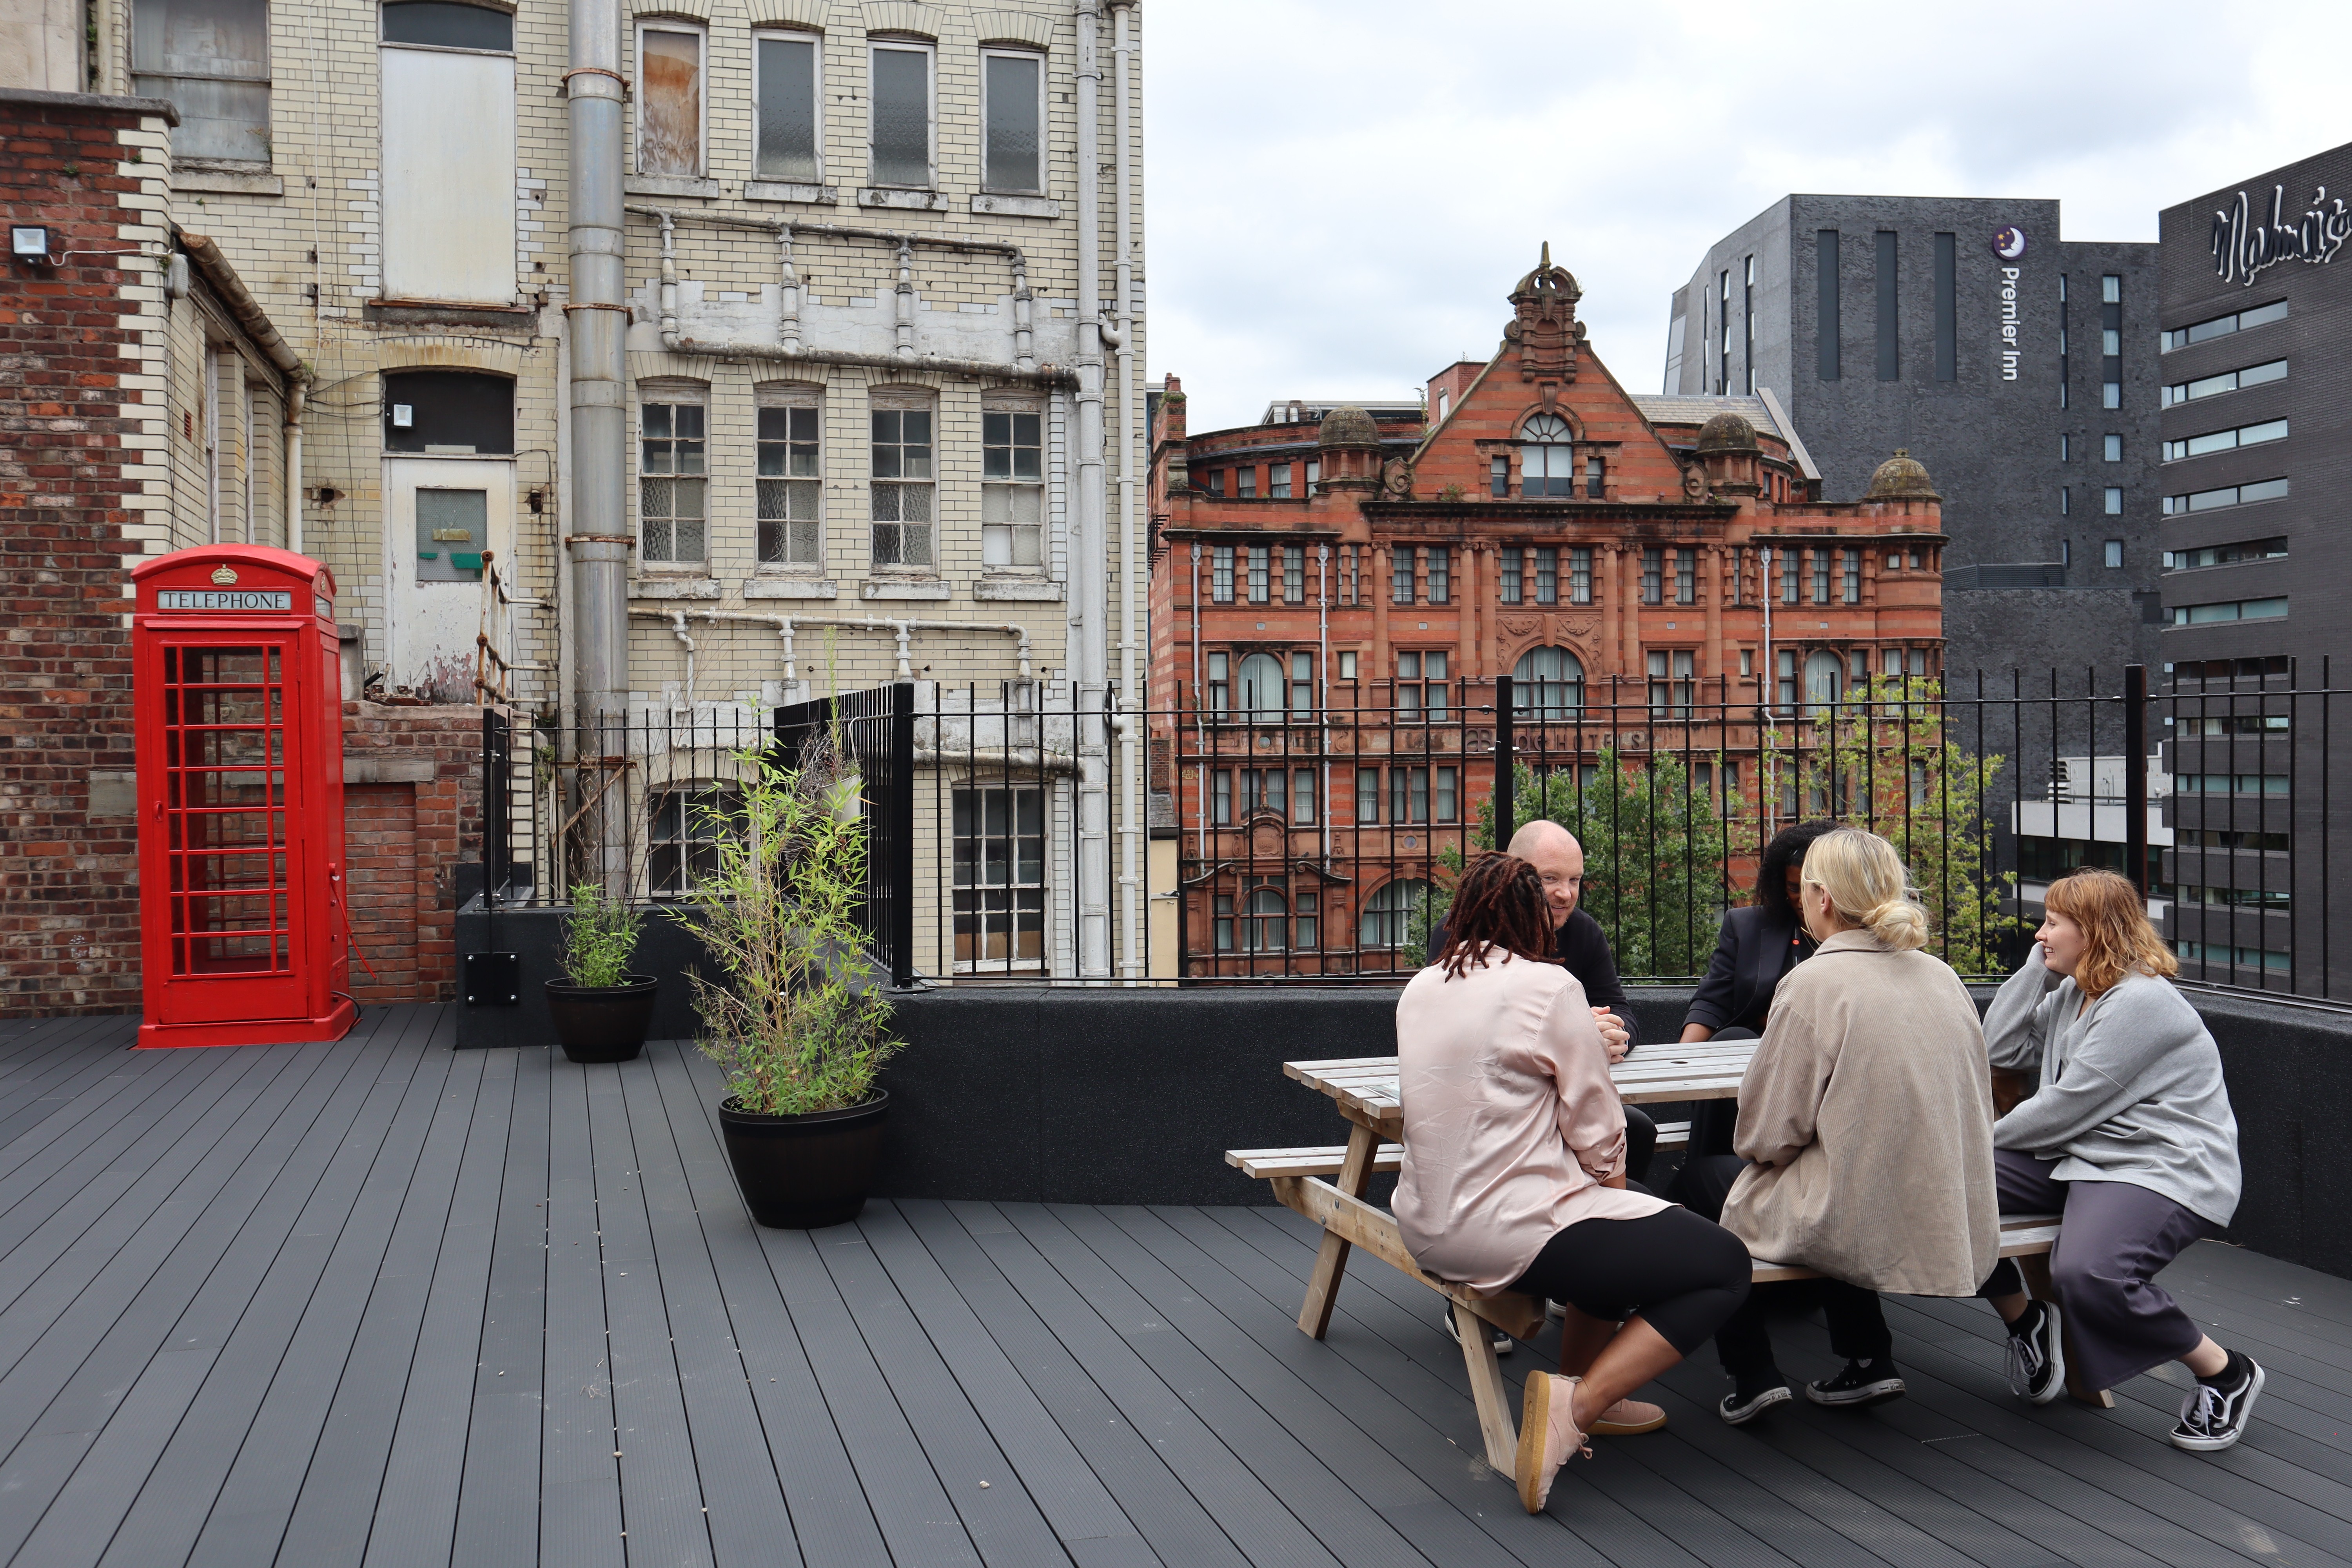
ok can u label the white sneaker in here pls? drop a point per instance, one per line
(1504, 1343)
(2212, 1419)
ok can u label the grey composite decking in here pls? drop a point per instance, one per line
(384, 1302)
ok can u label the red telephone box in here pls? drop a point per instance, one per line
(238, 692)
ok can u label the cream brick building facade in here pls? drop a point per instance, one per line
(300, 138)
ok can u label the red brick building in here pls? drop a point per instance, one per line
(1330, 612)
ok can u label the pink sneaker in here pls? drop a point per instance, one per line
(1627, 1418)
(1548, 1435)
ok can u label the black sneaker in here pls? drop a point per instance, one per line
(1862, 1382)
(2037, 1354)
(2214, 1414)
(1752, 1395)
(1504, 1343)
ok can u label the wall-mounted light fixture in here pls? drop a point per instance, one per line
(28, 242)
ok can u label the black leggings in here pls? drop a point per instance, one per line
(1680, 1274)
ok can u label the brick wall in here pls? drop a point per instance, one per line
(412, 810)
(68, 349)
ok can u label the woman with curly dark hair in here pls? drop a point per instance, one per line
(1514, 1170)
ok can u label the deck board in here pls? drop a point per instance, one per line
(382, 1302)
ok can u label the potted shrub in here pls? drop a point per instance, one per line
(795, 1018)
(601, 1010)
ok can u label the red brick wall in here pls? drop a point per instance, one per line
(69, 909)
(406, 834)
(380, 866)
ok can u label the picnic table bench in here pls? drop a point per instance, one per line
(1364, 1089)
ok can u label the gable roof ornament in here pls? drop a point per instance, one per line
(1544, 327)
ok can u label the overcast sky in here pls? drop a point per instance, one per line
(1339, 195)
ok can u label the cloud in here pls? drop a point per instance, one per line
(1340, 195)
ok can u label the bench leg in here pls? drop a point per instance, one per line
(1332, 1257)
(2035, 1267)
(1495, 1423)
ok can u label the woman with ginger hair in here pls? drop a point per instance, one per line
(2131, 1136)
(1514, 1172)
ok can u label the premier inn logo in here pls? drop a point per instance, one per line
(225, 575)
(2008, 244)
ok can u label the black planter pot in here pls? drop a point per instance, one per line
(603, 1022)
(798, 1173)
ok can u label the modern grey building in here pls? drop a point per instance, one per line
(2019, 368)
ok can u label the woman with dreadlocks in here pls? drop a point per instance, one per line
(1514, 1172)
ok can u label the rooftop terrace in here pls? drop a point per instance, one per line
(387, 1302)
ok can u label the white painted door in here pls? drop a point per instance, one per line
(440, 515)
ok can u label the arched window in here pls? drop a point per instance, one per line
(1824, 679)
(1264, 922)
(1548, 685)
(1388, 917)
(1546, 461)
(1262, 689)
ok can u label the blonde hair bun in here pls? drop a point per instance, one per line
(1867, 884)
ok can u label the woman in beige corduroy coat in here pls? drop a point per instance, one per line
(1866, 1131)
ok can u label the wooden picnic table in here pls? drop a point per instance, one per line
(1364, 1089)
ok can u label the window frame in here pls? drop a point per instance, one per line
(929, 50)
(794, 397)
(1010, 51)
(1015, 407)
(817, 81)
(267, 81)
(978, 791)
(700, 32)
(888, 400)
(670, 393)
(696, 828)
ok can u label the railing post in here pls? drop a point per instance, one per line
(1506, 820)
(902, 835)
(2135, 774)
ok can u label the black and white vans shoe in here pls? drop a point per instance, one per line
(2214, 1414)
(1862, 1382)
(2037, 1354)
(1504, 1343)
(1752, 1396)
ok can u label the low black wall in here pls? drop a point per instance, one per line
(1024, 1093)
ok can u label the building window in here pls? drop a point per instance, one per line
(2112, 500)
(1245, 483)
(1596, 478)
(1791, 568)
(1421, 684)
(1221, 798)
(2112, 448)
(1580, 575)
(2225, 554)
(1294, 574)
(1546, 575)
(2226, 440)
(1262, 790)
(1670, 681)
(1890, 355)
(1547, 460)
(1723, 331)
(2227, 495)
(2114, 554)
(1440, 574)
(447, 80)
(1013, 489)
(1000, 875)
(901, 110)
(1511, 559)
(785, 138)
(2066, 500)
(1012, 89)
(1825, 313)
(1824, 680)
(1368, 795)
(670, 100)
(1348, 664)
(1302, 797)
(1216, 481)
(1747, 324)
(1221, 573)
(1948, 266)
(1499, 479)
(1220, 685)
(2220, 326)
(1652, 571)
(1261, 701)
(1851, 560)
(1314, 474)
(210, 58)
(1401, 565)
(2065, 447)
(1302, 685)
(2111, 340)
(2228, 381)
(901, 494)
(1548, 686)
(2233, 610)
(791, 485)
(689, 825)
(672, 499)
(1685, 576)
(1391, 914)
(1277, 481)
(1786, 675)
(1821, 577)
(1261, 590)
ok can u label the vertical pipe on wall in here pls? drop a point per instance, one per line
(1131, 877)
(297, 388)
(1090, 573)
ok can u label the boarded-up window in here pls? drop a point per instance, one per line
(448, 162)
(210, 58)
(902, 115)
(669, 102)
(1013, 152)
(787, 89)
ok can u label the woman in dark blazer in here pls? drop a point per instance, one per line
(1757, 946)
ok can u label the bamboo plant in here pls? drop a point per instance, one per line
(600, 937)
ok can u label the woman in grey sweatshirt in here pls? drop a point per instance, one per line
(2131, 1136)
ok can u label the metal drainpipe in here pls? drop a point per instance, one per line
(296, 389)
(600, 538)
(1090, 579)
(1130, 774)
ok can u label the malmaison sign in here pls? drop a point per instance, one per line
(2244, 247)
